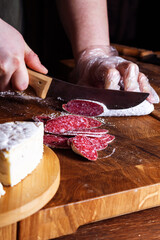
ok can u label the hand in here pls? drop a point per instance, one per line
(14, 55)
(100, 66)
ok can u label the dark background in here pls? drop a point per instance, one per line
(132, 22)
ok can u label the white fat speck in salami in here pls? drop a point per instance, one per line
(83, 146)
(83, 107)
(62, 124)
(54, 141)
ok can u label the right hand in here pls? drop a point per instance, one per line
(15, 54)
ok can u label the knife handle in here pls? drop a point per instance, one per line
(39, 82)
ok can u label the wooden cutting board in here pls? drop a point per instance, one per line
(33, 192)
(126, 181)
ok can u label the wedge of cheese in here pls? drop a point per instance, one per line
(21, 149)
(2, 192)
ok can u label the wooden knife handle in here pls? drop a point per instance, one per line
(39, 82)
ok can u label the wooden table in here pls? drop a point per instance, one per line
(90, 192)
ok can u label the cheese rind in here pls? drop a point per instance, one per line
(21, 149)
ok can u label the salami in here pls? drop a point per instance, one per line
(42, 118)
(95, 132)
(83, 107)
(84, 147)
(93, 123)
(62, 124)
(99, 143)
(54, 141)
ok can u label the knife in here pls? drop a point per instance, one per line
(54, 88)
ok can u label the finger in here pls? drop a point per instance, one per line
(129, 72)
(146, 87)
(5, 81)
(112, 79)
(32, 60)
(20, 78)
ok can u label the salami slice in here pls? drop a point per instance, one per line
(41, 118)
(99, 143)
(62, 124)
(83, 107)
(54, 141)
(109, 138)
(93, 123)
(95, 132)
(84, 147)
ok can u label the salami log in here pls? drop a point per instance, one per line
(54, 141)
(62, 124)
(83, 107)
(84, 147)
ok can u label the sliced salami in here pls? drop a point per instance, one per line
(93, 123)
(95, 132)
(63, 124)
(54, 141)
(84, 147)
(41, 118)
(83, 107)
(99, 143)
(109, 138)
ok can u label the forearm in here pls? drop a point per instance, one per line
(85, 22)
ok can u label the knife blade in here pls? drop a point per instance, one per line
(59, 89)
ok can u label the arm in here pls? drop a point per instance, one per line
(86, 23)
(97, 63)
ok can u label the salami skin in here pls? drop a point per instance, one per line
(84, 147)
(63, 124)
(83, 107)
(54, 141)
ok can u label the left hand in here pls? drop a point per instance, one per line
(101, 67)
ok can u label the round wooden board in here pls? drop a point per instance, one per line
(33, 192)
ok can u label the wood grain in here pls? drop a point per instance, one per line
(141, 225)
(33, 192)
(9, 232)
(39, 82)
(124, 179)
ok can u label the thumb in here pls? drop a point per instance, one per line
(32, 60)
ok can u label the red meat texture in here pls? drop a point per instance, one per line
(81, 134)
(83, 107)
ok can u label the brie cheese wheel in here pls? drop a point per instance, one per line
(21, 149)
(2, 192)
